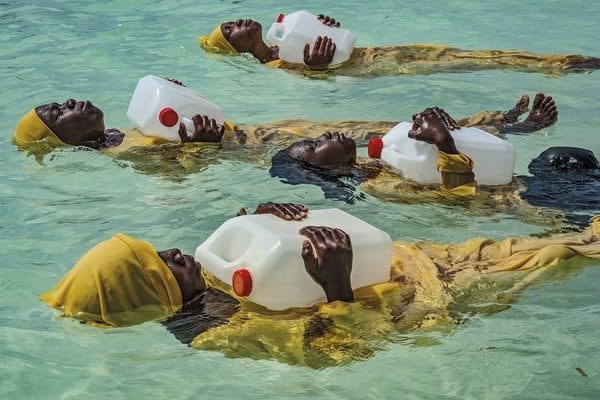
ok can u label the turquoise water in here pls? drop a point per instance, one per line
(52, 212)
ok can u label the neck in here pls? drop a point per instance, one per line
(262, 52)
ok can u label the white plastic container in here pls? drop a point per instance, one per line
(157, 107)
(260, 257)
(293, 31)
(493, 158)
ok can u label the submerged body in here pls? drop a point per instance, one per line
(124, 281)
(432, 286)
(424, 59)
(245, 36)
(339, 175)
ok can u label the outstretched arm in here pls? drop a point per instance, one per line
(327, 255)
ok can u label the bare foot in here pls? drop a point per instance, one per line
(583, 63)
(511, 116)
(543, 113)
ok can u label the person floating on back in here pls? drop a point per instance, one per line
(245, 36)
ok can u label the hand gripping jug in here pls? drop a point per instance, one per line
(293, 31)
(493, 158)
(157, 107)
(260, 257)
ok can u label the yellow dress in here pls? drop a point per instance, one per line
(422, 59)
(429, 281)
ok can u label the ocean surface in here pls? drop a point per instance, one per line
(53, 210)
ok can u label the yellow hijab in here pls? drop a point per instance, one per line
(119, 282)
(31, 129)
(216, 42)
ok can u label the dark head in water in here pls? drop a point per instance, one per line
(567, 179)
(564, 159)
(79, 123)
(328, 162)
(329, 151)
(186, 272)
(245, 36)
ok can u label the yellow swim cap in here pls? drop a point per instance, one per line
(119, 282)
(216, 42)
(31, 129)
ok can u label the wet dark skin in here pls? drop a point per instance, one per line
(78, 123)
(543, 114)
(205, 128)
(186, 272)
(328, 151)
(245, 35)
(327, 255)
(433, 125)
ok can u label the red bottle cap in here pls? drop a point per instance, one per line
(242, 282)
(168, 117)
(375, 147)
(280, 17)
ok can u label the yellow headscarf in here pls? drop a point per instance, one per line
(216, 42)
(31, 129)
(119, 282)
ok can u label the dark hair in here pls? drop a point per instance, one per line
(335, 184)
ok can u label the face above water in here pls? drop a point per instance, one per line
(328, 151)
(74, 122)
(186, 272)
(242, 34)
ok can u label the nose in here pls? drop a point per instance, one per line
(414, 117)
(178, 257)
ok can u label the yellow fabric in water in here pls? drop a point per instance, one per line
(426, 280)
(456, 163)
(415, 59)
(457, 175)
(31, 129)
(216, 42)
(119, 282)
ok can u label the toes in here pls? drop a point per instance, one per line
(548, 103)
(523, 104)
(537, 102)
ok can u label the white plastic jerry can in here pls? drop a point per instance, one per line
(494, 158)
(260, 256)
(158, 106)
(293, 31)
